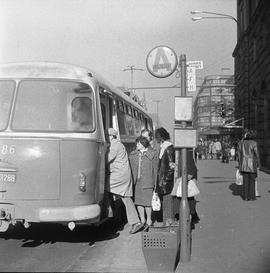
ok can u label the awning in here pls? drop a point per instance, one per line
(222, 131)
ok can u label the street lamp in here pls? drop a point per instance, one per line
(157, 102)
(217, 15)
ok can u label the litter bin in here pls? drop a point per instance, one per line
(160, 246)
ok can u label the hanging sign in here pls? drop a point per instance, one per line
(161, 61)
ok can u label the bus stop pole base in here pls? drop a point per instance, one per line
(185, 243)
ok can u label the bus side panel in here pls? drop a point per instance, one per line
(78, 157)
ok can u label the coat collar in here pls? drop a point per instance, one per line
(150, 153)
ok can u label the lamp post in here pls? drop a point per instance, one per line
(157, 102)
(132, 68)
(216, 16)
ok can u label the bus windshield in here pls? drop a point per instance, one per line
(50, 105)
(6, 94)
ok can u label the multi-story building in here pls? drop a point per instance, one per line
(214, 105)
(252, 71)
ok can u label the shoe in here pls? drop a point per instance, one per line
(146, 228)
(136, 227)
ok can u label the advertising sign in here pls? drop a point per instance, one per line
(161, 61)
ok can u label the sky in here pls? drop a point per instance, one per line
(110, 35)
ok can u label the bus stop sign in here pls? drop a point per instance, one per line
(161, 61)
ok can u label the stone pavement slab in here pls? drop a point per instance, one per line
(232, 236)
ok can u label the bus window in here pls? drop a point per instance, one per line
(43, 105)
(6, 93)
(82, 114)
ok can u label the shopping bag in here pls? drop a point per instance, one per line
(192, 188)
(238, 178)
(156, 204)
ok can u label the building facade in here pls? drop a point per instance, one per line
(252, 71)
(214, 105)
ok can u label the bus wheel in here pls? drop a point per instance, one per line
(4, 225)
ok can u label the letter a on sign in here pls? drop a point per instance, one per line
(161, 61)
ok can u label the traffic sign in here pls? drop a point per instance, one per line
(195, 64)
(161, 61)
(191, 79)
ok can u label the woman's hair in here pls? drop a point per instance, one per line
(162, 134)
(249, 134)
(150, 134)
(143, 140)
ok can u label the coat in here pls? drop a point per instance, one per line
(148, 167)
(248, 156)
(118, 180)
(165, 172)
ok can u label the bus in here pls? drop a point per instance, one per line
(53, 119)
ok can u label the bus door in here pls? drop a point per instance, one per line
(106, 104)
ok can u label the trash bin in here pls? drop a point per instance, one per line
(160, 246)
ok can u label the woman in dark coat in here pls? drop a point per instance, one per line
(249, 163)
(143, 163)
(165, 179)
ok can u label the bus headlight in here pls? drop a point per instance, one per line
(82, 182)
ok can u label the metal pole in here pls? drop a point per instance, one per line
(184, 207)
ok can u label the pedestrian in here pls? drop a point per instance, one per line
(150, 137)
(210, 149)
(143, 163)
(165, 180)
(119, 180)
(217, 149)
(249, 163)
(232, 153)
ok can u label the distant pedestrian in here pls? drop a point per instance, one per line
(143, 163)
(119, 180)
(249, 163)
(165, 180)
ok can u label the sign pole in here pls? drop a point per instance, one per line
(184, 212)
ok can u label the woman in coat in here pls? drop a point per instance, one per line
(249, 163)
(143, 163)
(165, 179)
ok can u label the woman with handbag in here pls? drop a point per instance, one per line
(165, 180)
(249, 163)
(143, 163)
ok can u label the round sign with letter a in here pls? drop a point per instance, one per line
(161, 61)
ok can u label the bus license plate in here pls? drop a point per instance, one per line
(8, 177)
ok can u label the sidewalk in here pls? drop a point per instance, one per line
(233, 235)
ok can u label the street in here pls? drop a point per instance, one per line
(232, 236)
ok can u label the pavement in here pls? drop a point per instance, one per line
(233, 235)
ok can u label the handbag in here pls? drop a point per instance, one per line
(192, 188)
(238, 178)
(156, 204)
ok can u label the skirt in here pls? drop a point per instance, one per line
(143, 197)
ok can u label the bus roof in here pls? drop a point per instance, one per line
(55, 70)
